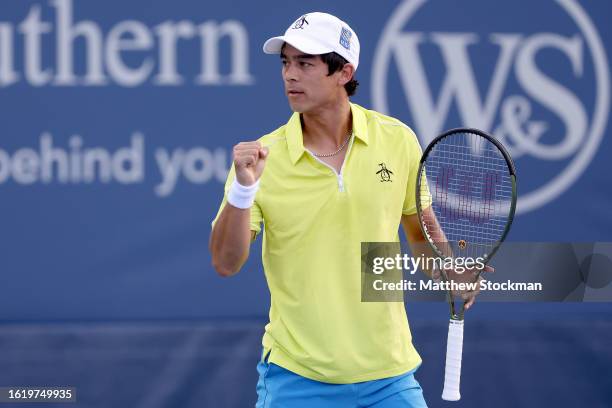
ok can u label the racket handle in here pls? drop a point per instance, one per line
(452, 372)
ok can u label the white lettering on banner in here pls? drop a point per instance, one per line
(210, 34)
(32, 29)
(67, 33)
(8, 75)
(141, 40)
(126, 165)
(198, 165)
(77, 165)
(552, 95)
(169, 33)
(169, 165)
(105, 54)
(460, 83)
(518, 89)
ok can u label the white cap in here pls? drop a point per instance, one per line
(316, 34)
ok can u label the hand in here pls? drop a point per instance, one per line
(249, 162)
(467, 276)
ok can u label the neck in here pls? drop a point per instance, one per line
(328, 126)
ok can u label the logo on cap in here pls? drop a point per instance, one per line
(345, 38)
(299, 23)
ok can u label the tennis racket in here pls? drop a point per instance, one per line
(466, 197)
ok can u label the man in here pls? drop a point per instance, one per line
(316, 184)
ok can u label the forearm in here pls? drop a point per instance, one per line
(420, 248)
(419, 245)
(231, 236)
(230, 240)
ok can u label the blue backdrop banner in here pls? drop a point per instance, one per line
(118, 121)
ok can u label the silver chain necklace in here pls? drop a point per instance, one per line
(337, 151)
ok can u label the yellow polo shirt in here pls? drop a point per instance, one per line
(314, 222)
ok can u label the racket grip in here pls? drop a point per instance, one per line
(452, 372)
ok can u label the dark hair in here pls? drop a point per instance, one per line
(335, 62)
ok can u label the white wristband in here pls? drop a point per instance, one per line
(240, 196)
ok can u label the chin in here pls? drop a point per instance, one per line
(297, 107)
(304, 106)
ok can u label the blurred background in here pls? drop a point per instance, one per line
(116, 126)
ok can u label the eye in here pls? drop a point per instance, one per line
(305, 64)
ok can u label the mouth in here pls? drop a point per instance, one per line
(294, 93)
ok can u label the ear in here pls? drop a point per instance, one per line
(346, 74)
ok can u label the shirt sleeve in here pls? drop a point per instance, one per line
(414, 153)
(256, 215)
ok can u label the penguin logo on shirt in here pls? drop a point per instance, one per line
(384, 173)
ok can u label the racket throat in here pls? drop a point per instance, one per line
(453, 312)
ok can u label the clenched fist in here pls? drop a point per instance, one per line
(249, 162)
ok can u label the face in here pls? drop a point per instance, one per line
(307, 84)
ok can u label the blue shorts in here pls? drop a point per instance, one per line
(281, 388)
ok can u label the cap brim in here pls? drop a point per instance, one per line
(274, 45)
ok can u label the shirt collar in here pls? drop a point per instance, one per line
(295, 140)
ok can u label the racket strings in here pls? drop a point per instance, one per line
(467, 182)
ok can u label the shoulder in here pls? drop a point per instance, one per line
(273, 138)
(278, 133)
(389, 127)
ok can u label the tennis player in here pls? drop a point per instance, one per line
(334, 175)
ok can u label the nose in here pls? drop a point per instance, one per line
(290, 72)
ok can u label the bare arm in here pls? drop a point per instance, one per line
(416, 239)
(230, 240)
(231, 235)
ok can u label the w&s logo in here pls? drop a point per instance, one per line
(535, 75)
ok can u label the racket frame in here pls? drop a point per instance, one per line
(454, 343)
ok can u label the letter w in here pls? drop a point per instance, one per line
(459, 82)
